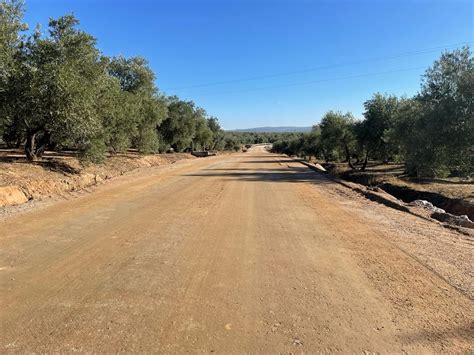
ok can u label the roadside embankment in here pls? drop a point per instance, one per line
(456, 198)
(21, 181)
(449, 202)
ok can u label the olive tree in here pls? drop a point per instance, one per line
(50, 98)
(178, 128)
(379, 119)
(337, 135)
(143, 108)
(11, 28)
(447, 123)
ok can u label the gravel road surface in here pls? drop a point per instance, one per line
(244, 253)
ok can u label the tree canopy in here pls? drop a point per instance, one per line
(57, 90)
(432, 132)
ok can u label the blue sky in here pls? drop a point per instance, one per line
(274, 63)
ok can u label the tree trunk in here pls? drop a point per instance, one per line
(40, 151)
(325, 156)
(365, 161)
(348, 156)
(32, 151)
(30, 146)
(43, 144)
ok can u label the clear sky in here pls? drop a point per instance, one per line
(274, 63)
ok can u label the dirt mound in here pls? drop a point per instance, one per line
(11, 195)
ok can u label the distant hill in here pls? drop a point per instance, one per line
(274, 129)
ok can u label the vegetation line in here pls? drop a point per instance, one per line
(432, 133)
(58, 92)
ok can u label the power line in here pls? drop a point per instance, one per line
(330, 66)
(316, 81)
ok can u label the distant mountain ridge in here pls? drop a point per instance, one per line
(286, 129)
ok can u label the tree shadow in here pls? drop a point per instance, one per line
(293, 174)
(289, 174)
(51, 160)
(57, 166)
(51, 164)
(401, 170)
(425, 181)
(11, 159)
(270, 161)
(465, 332)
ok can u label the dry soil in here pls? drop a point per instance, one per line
(247, 253)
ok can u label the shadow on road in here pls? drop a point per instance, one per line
(286, 174)
(292, 174)
(462, 331)
(270, 161)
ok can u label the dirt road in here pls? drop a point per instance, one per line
(249, 253)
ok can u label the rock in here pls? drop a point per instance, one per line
(85, 180)
(421, 203)
(297, 342)
(97, 178)
(275, 326)
(426, 205)
(12, 195)
(462, 221)
(374, 188)
(319, 167)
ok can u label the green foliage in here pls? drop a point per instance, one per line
(179, 127)
(142, 108)
(57, 90)
(432, 132)
(115, 109)
(147, 140)
(151, 111)
(337, 135)
(203, 135)
(231, 140)
(94, 151)
(50, 97)
(133, 73)
(217, 134)
(11, 26)
(187, 127)
(435, 129)
(447, 123)
(232, 143)
(373, 132)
